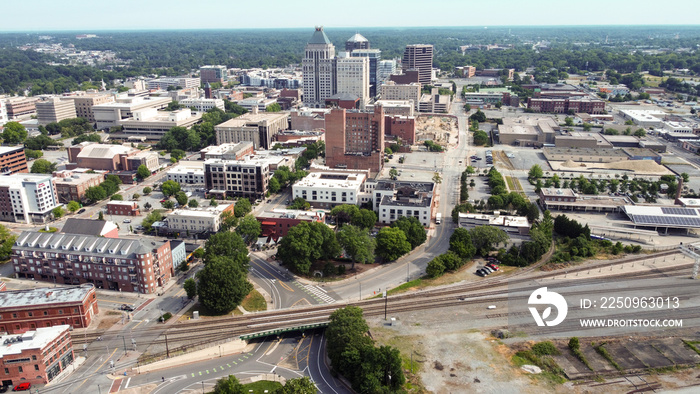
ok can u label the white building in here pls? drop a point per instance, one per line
(152, 124)
(318, 65)
(27, 198)
(395, 199)
(353, 77)
(259, 103)
(678, 127)
(385, 69)
(164, 83)
(203, 104)
(187, 173)
(198, 220)
(644, 118)
(329, 188)
(3, 112)
(113, 114)
(510, 224)
(392, 91)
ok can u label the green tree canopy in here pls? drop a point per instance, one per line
(190, 287)
(229, 385)
(249, 228)
(357, 243)
(461, 243)
(42, 166)
(147, 190)
(222, 283)
(485, 238)
(392, 243)
(181, 198)
(300, 248)
(170, 188)
(73, 206)
(95, 193)
(143, 172)
(535, 172)
(414, 230)
(300, 203)
(193, 203)
(344, 213)
(302, 385)
(227, 244)
(242, 208)
(14, 133)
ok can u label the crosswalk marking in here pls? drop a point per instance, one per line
(318, 293)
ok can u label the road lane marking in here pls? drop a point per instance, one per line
(110, 356)
(281, 283)
(126, 386)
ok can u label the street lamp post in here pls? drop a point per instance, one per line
(202, 387)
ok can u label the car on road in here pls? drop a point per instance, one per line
(164, 200)
(126, 221)
(478, 158)
(269, 201)
(473, 160)
(127, 307)
(81, 210)
(22, 386)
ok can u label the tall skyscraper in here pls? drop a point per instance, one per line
(420, 57)
(318, 68)
(358, 41)
(374, 56)
(353, 76)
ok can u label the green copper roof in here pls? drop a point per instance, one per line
(319, 37)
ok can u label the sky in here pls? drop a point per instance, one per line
(95, 15)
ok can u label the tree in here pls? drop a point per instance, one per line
(33, 154)
(227, 244)
(242, 208)
(147, 206)
(302, 385)
(143, 172)
(101, 216)
(479, 116)
(472, 183)
(485, 238)
(95, 193)
(470, 170)
(345, 213)
(249, 228)
(413, 229)
(273, 108)
(228, 221)
(181, 198)
(190, 286)
(170, 188)
(193, 203)
(300, 248)
(346, 328)
(167, 204)
(229, 385)
(42, 166)
(392, 243)
(90, 137)
(357, 243)
(213, 203)
(393, 173)
(568, 121)
(14, 133)
(300, 203)
(461, 243)
(274, 185)
(58, 212)
(73, 206)
(147, 190)
(222, 283)
(364, 218)
(117, 197)
(135, 196)
(481, 138)
(437, 178)
(535, 172)
(435, 268)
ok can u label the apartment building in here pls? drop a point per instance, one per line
(237, 178)
(187, 173)
(54, 109)
(229, 151)
(12, 160)
(395, 199)
(355, 139)
(36, 356)
(395, 92)
(328, 189)
(135, 265)
(566, 105)
(352, 75)
(260, 128)
(20, 106)
(71, 185)
(27, 198)
(276, 223)
(197, 220)
(24, 310)
(419, 57)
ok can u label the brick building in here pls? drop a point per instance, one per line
(136, 265)
(403, 127)
(97, 228)
(123, 208)
(12, 160)
(35, 357)
(110, 157)
(565, 105)
(355, 139)
(25, 310)
(71, 186)
(276, 223)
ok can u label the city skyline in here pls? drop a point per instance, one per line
(177, 15)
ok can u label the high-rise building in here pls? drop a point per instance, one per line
(353, 77)
(385, 68)
(374, 56)
(355, 139)
(420, 57)
(84, 103)
(410, 92)
(358, 41)
(213, 74)
(27, 198)
(3, 112)
(54, 110)
(318, 65)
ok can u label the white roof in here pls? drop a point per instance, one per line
(103, 151)
(37, 339)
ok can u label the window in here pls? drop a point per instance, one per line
(46, 313)
(20, 369)
(34, 357)
(60, 311)
(36, 367)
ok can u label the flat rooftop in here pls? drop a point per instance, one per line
(332, 180)
(585, 152)
(43, 296)
(292, 214)
(250, 119)
(558, 192)
(493, 220)
(8, 149)
(396, 185)
(37, 339)
(663, 216)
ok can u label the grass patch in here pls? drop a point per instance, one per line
(575, 348)
(606, 355)
(693, 345)
(204, 313)
(262, 386)
(254, 302)
(51, 230)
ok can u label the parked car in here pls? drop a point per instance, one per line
(22, 386)
(81, 210)
(126, 221)
(164, 200)
(493, 267)
(480, 273)
(3, 389)
(127, 307)
(488, 269)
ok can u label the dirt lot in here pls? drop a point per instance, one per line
(436, 128)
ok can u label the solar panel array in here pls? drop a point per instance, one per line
(666, 220)
(679, 211)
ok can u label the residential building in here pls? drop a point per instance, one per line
(213, 74)
(27, 198)
(358, 41)
(71, 185)
(355, 139)
(84, 103)
(374, 56)
(517, 225)
(12, 160)
(54, 110)
(395, 199)
(259, 128)
(113, 114)
(187, 173)
(410, 92)
(237, 178)
(20, 106)
(419, 57)
(179, 251)
(276, 223)
(96, 228)
(228, 151)
(25, 310)
(36, 356)
(136, 265)
(151, 124)
(330, 188)
(197, 220)
(123, 208)
(203, 104)
(318, 67)
(165, 82)
(352, 76)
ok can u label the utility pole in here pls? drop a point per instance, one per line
(167, 352)
(386, 302)
(125, 350)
